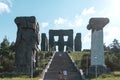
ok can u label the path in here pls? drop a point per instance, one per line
(62, 62)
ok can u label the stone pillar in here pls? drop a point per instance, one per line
(44, 42)
(61, 43)
(70, 40)
(97, 47)
(78, 43)
(26, 45)
(51, 40)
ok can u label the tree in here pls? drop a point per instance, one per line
(6, 56)
(4, 47)
(115, 46)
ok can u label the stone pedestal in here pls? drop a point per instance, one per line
(97, 47)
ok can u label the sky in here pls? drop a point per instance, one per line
(61, 14)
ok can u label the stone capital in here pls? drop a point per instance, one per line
(97, 23)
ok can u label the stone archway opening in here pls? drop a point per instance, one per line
(56, 48)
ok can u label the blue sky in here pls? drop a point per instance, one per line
(61, 14)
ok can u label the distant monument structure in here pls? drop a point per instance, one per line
(78, 42)
(26, 46)
(44, 42)
(61, 42)
(97, 48)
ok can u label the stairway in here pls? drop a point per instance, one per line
(60, 62)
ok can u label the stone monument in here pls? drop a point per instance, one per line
(78, 43)
(44, 42)
(97, 49)
(26, 46)
(61, 43)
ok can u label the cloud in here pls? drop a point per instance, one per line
(4, 8)
(45, 24)
(60, 21)
(87, 38)
(76, 22)
(90, 10)
(111, 33)
(10, 2)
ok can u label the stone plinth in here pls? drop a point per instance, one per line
(26, 45)
(97, 48)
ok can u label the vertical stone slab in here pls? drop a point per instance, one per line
(69, 43)
(70, 40)
(51, 40)
(44, 42)
(61, 43)
(26, 45)
(97, 49)
(78, 43)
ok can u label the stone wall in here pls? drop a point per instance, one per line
(61, 43)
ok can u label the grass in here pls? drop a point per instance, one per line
(77, 57)
(20, 78)
(112, 76)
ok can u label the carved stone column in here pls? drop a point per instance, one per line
(97, 47)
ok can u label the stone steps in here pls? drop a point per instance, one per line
(62, 63)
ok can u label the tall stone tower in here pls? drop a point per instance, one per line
(26, 45)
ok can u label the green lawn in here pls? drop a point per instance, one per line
(19, 78)
(109, 78)
(112, 76)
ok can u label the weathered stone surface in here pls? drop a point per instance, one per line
(97, 49)
(26, 46)
(97, 23)
(78, 43)
(61, 43)
(44, 42)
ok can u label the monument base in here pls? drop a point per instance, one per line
(97, 70)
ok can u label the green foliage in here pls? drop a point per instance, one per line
(7, 59)
(82, 59)
(115, 46)
(112, 55)
(6, 56)
(44, 58)
(112, 76)
(112, 61)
